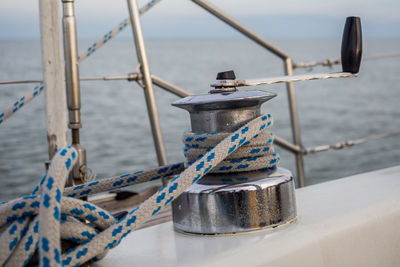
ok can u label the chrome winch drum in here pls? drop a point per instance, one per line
(232, 202)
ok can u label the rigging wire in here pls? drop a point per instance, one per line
(331, 62)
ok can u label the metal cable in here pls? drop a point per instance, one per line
(330, 62)
(95, 46)
(350, 143)
(20, 81)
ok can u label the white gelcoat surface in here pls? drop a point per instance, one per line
(352, 221)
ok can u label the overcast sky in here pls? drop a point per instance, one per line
(183, 19)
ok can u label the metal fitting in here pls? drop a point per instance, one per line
(233, 202)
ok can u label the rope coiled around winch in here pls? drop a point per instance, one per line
(43, 219)
(255, 154)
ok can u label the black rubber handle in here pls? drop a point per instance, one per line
(352, 45)
(226, 75)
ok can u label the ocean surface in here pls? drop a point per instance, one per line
(116, 131)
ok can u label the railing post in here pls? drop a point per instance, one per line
(148, 86)
(288, 71)
(241, 28)
(53, 75)
(294, 119)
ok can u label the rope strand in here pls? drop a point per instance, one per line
(49, 218)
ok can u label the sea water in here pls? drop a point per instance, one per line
(116, 130)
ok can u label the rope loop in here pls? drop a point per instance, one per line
(254, 154)
(54, 222)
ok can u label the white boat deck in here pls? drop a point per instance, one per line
(352, 221)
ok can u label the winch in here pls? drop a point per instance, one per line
(232, 199)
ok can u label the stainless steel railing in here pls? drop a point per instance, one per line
(146, 80)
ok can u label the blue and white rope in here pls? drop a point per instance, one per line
(108, 36)
(59, 214)
(21, 102)
(254, 154)
(95, 46)
(124, 180)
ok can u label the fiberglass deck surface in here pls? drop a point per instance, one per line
(351, 221)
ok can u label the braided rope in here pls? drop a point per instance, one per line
(95, 46)
(60, 216)
(254, 154)
(108, 36)
(21, 102)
